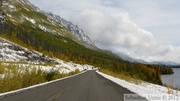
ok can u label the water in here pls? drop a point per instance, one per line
(173, 79)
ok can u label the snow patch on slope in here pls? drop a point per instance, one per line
(43, 28)
(10, 52)
(30, 20)
(70, 66)
(12, 7)
(13, 52)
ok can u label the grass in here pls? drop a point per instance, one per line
(14, 76)
(120, 75)
(170, 88)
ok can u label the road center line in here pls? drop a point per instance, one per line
(60, 92)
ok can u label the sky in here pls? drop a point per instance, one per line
(143, 29)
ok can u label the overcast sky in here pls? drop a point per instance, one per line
(144, 29)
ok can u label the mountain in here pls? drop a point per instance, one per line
(79, 33)
(167, 63)
(126, 57)
(45, 32)
(22, 11)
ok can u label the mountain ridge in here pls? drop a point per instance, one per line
(50, 20)
(126, 57)
(79, 33)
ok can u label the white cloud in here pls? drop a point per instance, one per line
(160, 17)
(113, 30)
(117, 32)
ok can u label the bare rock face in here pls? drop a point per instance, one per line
(78, 33)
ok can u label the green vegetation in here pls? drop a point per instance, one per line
(15, 76)
(175, 66)
(24, 14)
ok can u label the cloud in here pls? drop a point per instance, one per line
(113, 30)
(160, 17)
(117, 32)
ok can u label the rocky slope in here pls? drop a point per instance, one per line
(79, 33)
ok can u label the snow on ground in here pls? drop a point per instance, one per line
(151, 91)
(9, 15)
(29, 19)
(11, 6)
(43, 28)
(62, 67)
(10, 52)
(5, 3)
(52, 22)
(65, 67)
(70, 66)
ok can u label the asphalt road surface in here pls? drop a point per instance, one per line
(88, 86)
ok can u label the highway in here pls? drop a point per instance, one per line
(88, 86)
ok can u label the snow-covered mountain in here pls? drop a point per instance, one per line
(126, 57)
(167, 63)
(19, 10)
(79, 33)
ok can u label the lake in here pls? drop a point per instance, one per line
(173, 79)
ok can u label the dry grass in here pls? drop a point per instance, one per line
(121, 76)
(14, 76)
(169, 87)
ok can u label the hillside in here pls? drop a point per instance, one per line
(23, 12)
(26, 25)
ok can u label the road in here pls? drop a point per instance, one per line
(88, 86)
